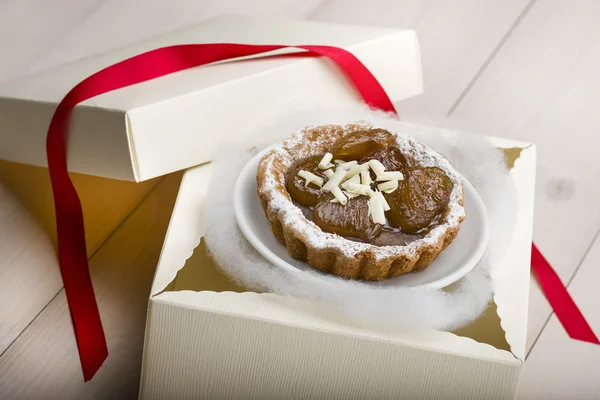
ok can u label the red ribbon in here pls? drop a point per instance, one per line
(563, 305)
(90, 337)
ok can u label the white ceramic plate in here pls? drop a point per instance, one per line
(451, 265)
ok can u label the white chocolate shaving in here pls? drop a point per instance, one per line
(347, 194)
(337, 192)
(335, 180)
(390, 176)
(376, 166)
(386, 206)
(358, 188)
(325, 161)
(376, 210)
(309, 177)
(357, 169)
(365, 176)
(350, 195)
(355, 179)
(388, 187)
(347, 165)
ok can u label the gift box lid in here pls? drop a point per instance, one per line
(168, 124)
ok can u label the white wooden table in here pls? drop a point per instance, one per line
(520, 69)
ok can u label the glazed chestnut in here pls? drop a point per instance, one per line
(351, 220)
(419, 200)
(360, 144)
(295, 185)
(391, 158)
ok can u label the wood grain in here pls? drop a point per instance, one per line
(456, 39)
(28, 28)
(43, 362)
(542, 87)
(115, 23)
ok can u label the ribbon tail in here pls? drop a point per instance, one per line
(561, 301)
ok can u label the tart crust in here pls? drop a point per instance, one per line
(337, 255)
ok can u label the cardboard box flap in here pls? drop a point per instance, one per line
(190, 352)
(162, 122)
(313, 315)
(185, 228)
(510, 281)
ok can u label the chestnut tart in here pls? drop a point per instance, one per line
(360, 202)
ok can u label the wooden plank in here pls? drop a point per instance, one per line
(134, 20)
(559, 367)
(29, 272)
(29, 28)
(456, 39)
(43, 361)
(542, 87)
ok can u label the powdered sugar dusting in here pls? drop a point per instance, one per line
(317, 140)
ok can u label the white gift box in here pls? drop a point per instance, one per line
(157, 127)
(208, 338)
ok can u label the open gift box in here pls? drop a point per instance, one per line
(206, 337)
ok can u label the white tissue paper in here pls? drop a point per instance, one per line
(472, 155)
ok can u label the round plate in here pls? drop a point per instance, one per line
(451, 265)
